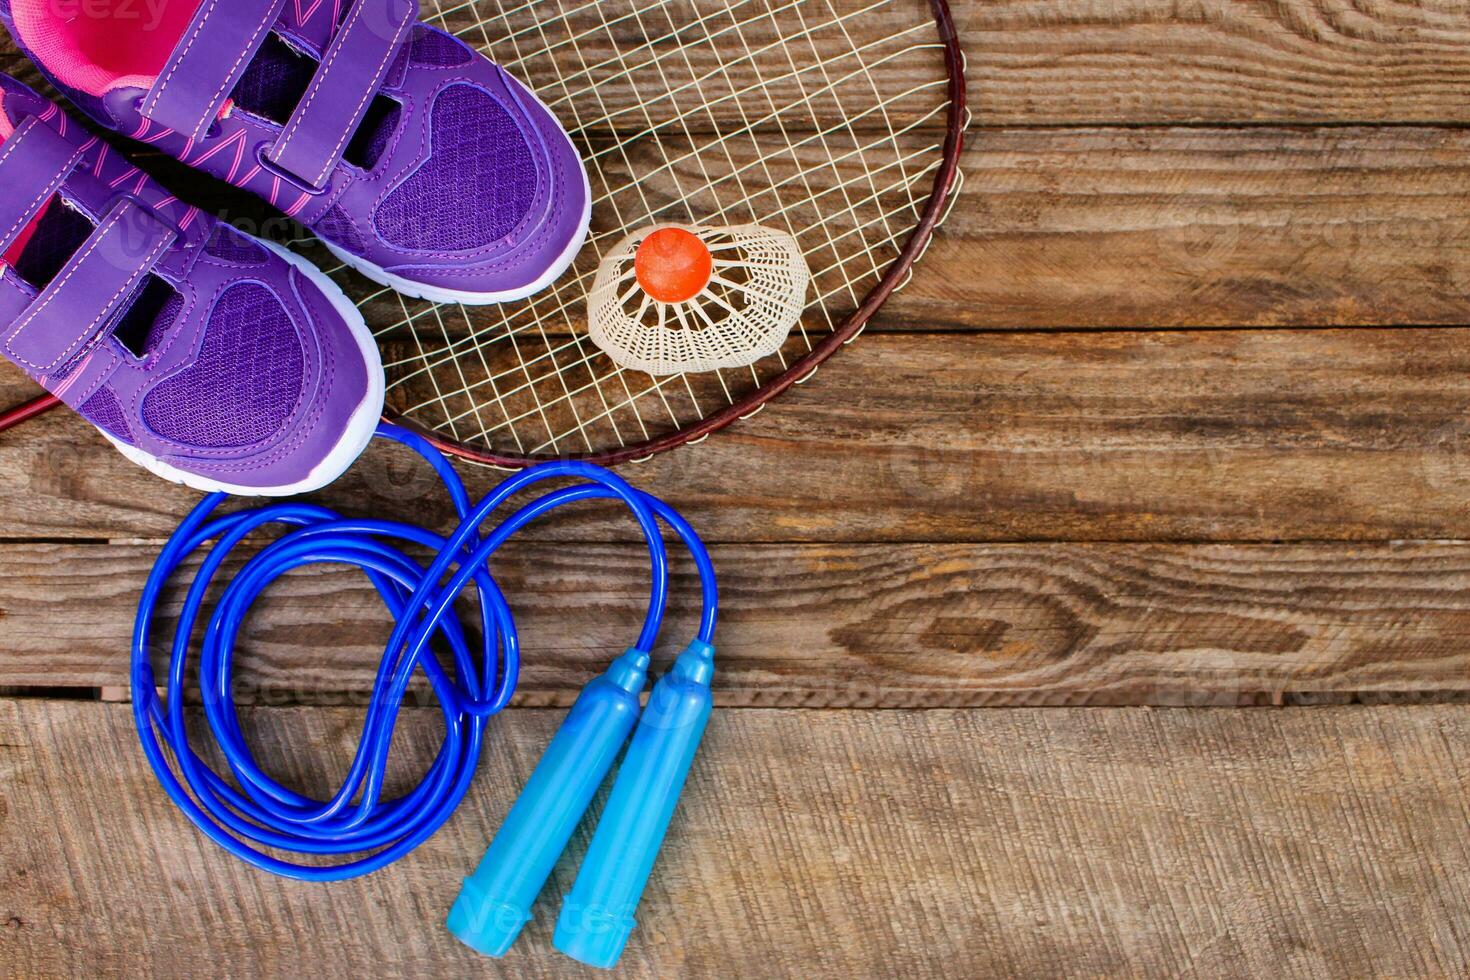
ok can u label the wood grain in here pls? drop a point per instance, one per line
(1342, 435)
(1329, 226)
(1218, 61)
(956, 512)
(1073, 229)
(1102, 62)
(1302, 842)
(1137, 228)
(1193, 227)
(712, 65)
(840, 625)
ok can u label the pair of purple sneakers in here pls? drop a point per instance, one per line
(210, 357)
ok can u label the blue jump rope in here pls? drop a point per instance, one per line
(597, 916)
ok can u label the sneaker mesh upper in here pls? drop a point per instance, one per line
(432, 48)
(338, 228)
(479, 182)
(274, 81)
(228, 244)
(103, 411)
(247, 379)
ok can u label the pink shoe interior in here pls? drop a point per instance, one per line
(100, 45)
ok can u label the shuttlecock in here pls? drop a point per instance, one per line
(672, 299)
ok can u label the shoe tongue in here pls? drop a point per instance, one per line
(155, 307)
(277, 79)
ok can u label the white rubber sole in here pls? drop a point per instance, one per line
(438, 294)
(360, 425)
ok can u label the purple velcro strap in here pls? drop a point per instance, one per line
(34, 162)
(208, 62)
(342, 89)
(89, 290)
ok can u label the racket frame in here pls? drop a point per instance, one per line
(946, 181)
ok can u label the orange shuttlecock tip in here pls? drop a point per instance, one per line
(673, 265)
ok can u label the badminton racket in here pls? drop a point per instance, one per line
(838, 122)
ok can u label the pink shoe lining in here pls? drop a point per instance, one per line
(100, 45)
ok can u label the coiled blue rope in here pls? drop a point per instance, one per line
(260, 812)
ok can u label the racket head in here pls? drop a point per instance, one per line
(698, 112)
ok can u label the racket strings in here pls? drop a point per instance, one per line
(507, 420)
(822, 118)
(559, 355)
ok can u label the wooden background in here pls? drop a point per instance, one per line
(1172, 423)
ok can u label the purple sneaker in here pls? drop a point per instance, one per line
(421, 164)
(210, 358)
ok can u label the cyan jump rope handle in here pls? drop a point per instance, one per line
(496, 900)
(597, 917)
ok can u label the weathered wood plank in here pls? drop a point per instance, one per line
(1098, 62)
(1074, 229)
(1302, 61)
(1113, 229)
(1190, 227)
(1337, 226)
(1211, 435)
(842, 625)
(1155, 228)
(945, 844)
(717, 65)
(1090, 62)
